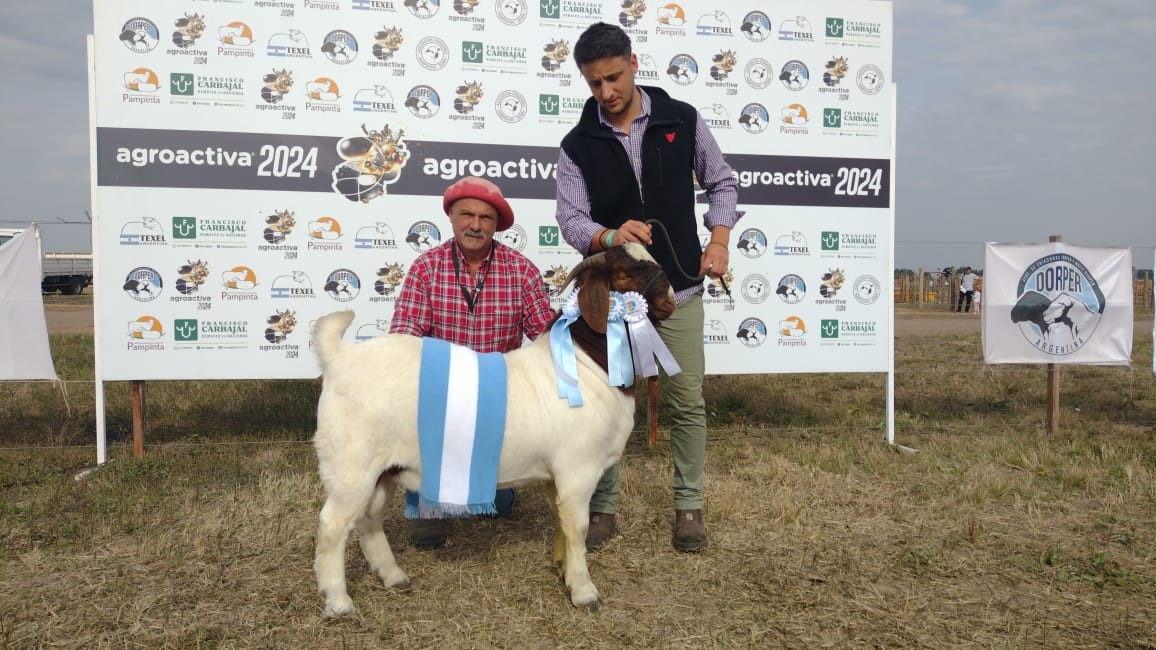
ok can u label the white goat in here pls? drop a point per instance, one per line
(367, 440)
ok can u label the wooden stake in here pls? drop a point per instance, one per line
(1052, 418)
(138, 418)
(652, 395)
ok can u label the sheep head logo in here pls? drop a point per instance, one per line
(1059, 304)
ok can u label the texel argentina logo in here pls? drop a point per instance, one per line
(632, 12)
(389, 279)
(792, 327)
(145, 328)
(278, 226)
(758, 73)
(791, 289)
(339, 47)
(723, 64)
(512, 12)
(141, 80)
(189, 28)
(554, 54)
(342, 285)
(752, 243)
(866, 289)
(514, 237)
(293, 285)
(191, 276)
(374, 100)
(143, 284)
(716, 116)
(280, 325)
(794, 75)
(235, 35)
(752, 332)
(140, 35)
(682, 69)
(794, 243)
(239, 278)
(387, 42)
(276, 85)
(379, 236)
(468, 96)
(869, 79)
(796, 29)
(369, 163)
(290, 44)
(754, 118)
(146, 232)
(714, 332)
(423, 102)
(647, 69)
(423, 236)
(511, 106)
(1058, 304)
(372, 330)
(756, 26)
(323, 89)
(717, 23)
(423, 9)
(432, 53)
(756, 288)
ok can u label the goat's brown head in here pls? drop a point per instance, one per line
(622, 268)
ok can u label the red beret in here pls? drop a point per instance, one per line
(472, 187)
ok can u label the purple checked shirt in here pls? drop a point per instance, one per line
(713, 172)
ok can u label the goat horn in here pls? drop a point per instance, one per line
(597, 259)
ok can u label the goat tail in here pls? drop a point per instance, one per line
(327, 333)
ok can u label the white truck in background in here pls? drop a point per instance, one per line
(68, 273)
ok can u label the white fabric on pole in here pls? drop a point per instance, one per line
(24, 352)
(1057, 303)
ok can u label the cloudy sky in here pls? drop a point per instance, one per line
(1017, 119)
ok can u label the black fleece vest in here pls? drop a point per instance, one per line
(667, 178)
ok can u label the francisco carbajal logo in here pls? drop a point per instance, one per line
(752, 243)
(792, 332)
(510, 106)
(512, 12)
(754, 118)
(342, 285)
(838, 121)
(797, 29)
(866, 289)
(389, 279)
(377, 99)
(794, 75)
(143, 284)
(758, 73)
(752, 332)
(792, 289)
(294, 285)
(379, 236)
(855, 245)
(514, 237)
(716, 23)
(682, 69)
(793, 244)
(1059, 304)
(339, 47)
(423, 8)
(795, 119)
(423, 236)
(140, 35)
(423, 102)
(869, 79)
(370, 162)
(756, 26)
(432, 53)
(755, 288)
(854, 33)
(289, 44)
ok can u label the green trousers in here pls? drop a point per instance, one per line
(681, 398)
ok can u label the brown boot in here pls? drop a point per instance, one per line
(689, 531)
(602, 528)
(427, 534)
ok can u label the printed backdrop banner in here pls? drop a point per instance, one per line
(1057, 303)
(261, 163)
(24, 352)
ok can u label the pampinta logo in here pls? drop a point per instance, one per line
(141, 80)
(235, 34)
(145, 328)
(239, 278)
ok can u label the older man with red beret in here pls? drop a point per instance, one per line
(472, 291)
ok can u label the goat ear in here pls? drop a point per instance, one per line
(594, 298)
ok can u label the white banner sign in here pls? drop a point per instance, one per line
(261, 163)
(1057, 303)
(24, 351)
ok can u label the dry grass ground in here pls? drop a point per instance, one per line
(992, 536)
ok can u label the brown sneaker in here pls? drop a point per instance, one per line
(689, 531)
(427, 534)
(602, 528)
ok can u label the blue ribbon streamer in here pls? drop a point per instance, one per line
(562, 351)
(618, 363)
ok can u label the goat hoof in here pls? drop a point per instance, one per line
(335, 607)
(591, 601)
(396, 580)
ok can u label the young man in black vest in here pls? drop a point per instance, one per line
(633, 157)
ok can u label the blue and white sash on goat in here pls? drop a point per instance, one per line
(461, 419)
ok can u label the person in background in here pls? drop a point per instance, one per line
(472, 291)
(966, 289)
(977, 299)
(633, 157)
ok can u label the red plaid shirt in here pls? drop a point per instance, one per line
(512, 302)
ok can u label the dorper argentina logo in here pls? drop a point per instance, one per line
(794, 75)
(682, 69)
(756, 26)
(792, 289)
(342, 285)
(140, 35)
(423, 236)
(423, 8)
(752, 332)
(1059, 304)
(339, 47)
(754, 118)
(752, 243)
(143, 284)
(423, 102)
